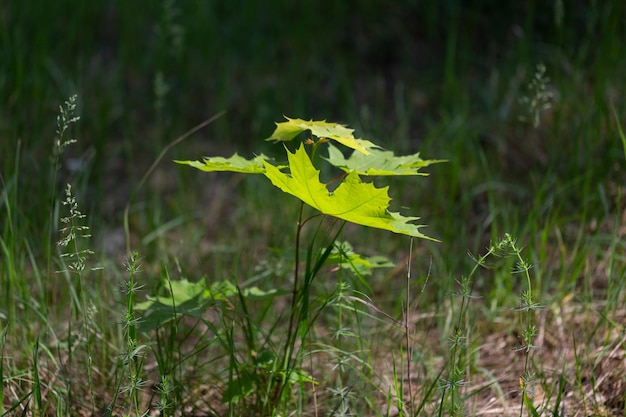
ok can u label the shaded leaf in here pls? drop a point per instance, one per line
(343, 255)
(286, 131)
(378, 162)
(192, 299)
(255, 293)
(237, 390)
(182, 291)
(353, 200)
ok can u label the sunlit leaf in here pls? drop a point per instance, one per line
(235, 163)
(378, 162)
(353, 200)
(286, 131)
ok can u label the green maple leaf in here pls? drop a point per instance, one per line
(286, 131)
(344, 256)
(192, 299)
(235, 163)
(353, 200)
(379, 162)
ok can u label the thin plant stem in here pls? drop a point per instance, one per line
(407, 338)
(296, 275)
(287, 352)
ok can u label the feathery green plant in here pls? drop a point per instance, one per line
(134, 356)
(528, 305)
(129, 378)
(538, 97)
(65, 120)
(458, 370)
(74, 257)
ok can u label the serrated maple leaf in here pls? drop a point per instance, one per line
(378, 162)
(286, 131)
(343, 255)
(353, 200)
(235, 163)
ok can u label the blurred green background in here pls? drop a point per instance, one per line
(441, 77)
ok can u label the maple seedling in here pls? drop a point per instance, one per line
(350, 199)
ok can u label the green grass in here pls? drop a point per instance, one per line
(445, 79)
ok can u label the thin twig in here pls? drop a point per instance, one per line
(156, 162)
(176, 142)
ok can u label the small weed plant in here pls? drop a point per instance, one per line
(457, 374)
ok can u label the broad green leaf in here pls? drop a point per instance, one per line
(343, 255)
(235, 163)
(192, 299)
(378, 162)
(186, 298)
(255, 293)
(238, 389)
(182, 291)
(286, 131)
(353, 200)
(158, 313)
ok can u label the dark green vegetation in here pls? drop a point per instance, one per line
(449, 79)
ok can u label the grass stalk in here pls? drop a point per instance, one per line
(37, 382)
(65, 120)
(75, 260)
(3, 343)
